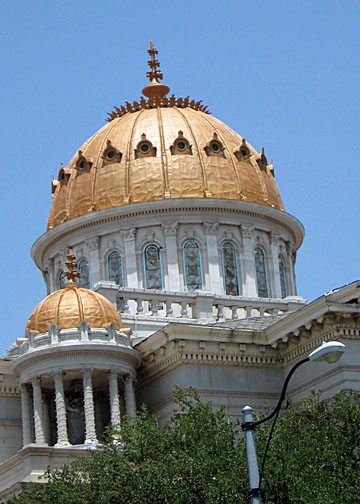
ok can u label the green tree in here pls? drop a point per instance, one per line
(199, 457)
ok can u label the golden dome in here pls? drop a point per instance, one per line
(69, 306)
(161, 148)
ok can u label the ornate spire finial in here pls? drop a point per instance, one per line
(71, 265)
(154, 75)
(155, 88)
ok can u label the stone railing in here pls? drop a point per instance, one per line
(197, 306)
(84, 333)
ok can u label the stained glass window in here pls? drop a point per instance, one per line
(230, 270)
(193, 278)
(84, 279)
(261, 282)
(282, 278)
(115, 268)
(61, 280)
(153, 267)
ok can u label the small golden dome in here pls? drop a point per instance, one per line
(161, 148)
(69, 306)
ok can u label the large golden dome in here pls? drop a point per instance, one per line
(161, 148)
(69, 306)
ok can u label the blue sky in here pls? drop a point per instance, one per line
(284, 74)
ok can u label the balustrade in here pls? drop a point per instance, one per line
(201, 306)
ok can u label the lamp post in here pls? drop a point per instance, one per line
(329, 352)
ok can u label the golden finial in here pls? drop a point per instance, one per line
(155, 88)
(71, 265)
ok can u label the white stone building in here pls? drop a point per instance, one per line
(186, 261)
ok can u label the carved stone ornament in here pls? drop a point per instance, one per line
(170, 228)
(145, 148)
(111, 154)
(128, 234)
(181, 145)
(242, 152)
(93, 243)
(274, 238)
(246, 231)
(215, 147)
(210, 227)
(82, 163)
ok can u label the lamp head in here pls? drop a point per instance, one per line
(329, 352)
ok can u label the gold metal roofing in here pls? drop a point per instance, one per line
(71, 305)
(161, 148)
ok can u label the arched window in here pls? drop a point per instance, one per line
(60, 280)
(230, 270)
(115, 268)
(282, 278)
(153, 267)
(261, 282)
(193, 278)
(84, 279)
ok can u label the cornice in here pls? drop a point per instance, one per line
(173, 206)
(182, 352)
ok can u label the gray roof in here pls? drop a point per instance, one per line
(252, 323)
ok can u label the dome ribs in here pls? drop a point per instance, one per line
(206, 190)
(164, 159)
(155, 102)
(229, 153)
(128, 159)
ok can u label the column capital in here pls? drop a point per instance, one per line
(87, 372)
(210, 227)
(130, 377)
(169, 228)
(246, 230)
(274, 237)
(93, 243)
(128, 234)
(36, 380)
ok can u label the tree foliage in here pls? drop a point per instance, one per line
(199, 457)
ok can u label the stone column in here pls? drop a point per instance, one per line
(38, 413)
(169, 231)
(247, 262)
(114, 398)
(25, 414)
(130, 257)
(216, 285)
(46, 418)
(94, 265)
(130, 402)
(275, 291)
(62, 434)
(90, 432)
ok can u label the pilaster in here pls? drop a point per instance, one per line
(131, 273)
(94, 266)
(247, 262)
(274, 244)
(170, 232)
(25, 414)
(215, 283)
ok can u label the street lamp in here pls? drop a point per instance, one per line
(329, 352)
